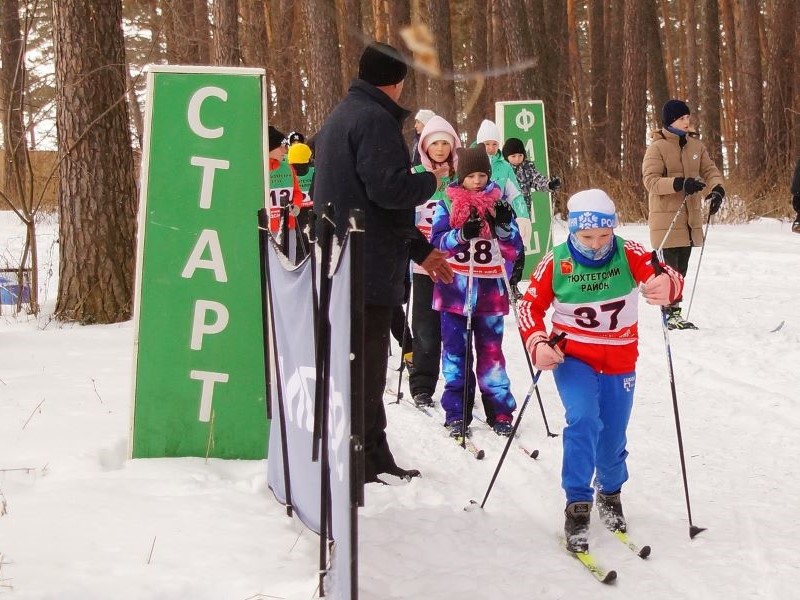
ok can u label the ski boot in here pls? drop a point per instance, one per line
(676, 321)
(503, 425)
(610, 508)
(423, 400)
(576, 526)
(458, 429)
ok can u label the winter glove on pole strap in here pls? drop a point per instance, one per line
(715, 199)
(471, 227)
(554, 184)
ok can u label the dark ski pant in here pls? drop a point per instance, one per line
(377, 455)
(400, 330)
(678, 259)
(427, 332)
(598, 408)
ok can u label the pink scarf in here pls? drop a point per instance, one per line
(463, 200)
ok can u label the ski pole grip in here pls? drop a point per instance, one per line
(552, 342)
(656, 264)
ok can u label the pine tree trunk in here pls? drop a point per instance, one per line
(656, 74)
(12, 88)
(710, 99)
(348, 27)
(253, 34)
(690, 37)
(96, 197)
(324, 67)
(180, 32)
(730, 82)
(750, 132)
(634, 100)
(202, 31)
(614, 98)
(442, 90)
(557, 97)
(598, 80)
(778, 93)
(475, 108)
(226, 33)
(520, 49)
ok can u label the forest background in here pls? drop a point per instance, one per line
(72, 90)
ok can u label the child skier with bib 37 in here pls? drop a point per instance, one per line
(593, 281)
(475, 225)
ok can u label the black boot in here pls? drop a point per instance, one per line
(610, 508)
(576, 526)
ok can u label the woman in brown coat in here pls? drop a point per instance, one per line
(676, 164)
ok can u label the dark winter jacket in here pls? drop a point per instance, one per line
(795, 189)
(362, 163)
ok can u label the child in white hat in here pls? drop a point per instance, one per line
(593, 281)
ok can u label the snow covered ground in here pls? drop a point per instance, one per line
(79, 520)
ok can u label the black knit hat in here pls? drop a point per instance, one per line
(380, 64)
(672, 111)
(514, 146)
(276, 138)
(472, 160)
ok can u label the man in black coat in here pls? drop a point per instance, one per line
(362, 162)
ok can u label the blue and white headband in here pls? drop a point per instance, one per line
(591, 209)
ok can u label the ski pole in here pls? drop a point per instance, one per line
(402, 352)
(521, 339)
(468, 354)
(693, 529)
(552, 342)
(672, 225)
(700, 260)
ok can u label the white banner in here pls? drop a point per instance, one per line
(339, 582)
(293, 318)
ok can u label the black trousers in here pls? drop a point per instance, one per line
(427, 330)
(678, 259)
(377, 455)
(400, 330)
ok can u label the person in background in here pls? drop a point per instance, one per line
(285, 196)
(594, 367)
(299, 158)
(474, 224)
(676, 167)
(795, 189)
(437, 143)
(530, 180)
(362, 162)
(420, 119)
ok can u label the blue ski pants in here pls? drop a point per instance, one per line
(598, 407)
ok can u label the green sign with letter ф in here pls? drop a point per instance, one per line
(199, 384)
(524, 119)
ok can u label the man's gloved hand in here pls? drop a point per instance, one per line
(471, 227)
(692, 185)
(554, 184)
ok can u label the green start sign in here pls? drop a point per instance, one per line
(199, 358)
(524, 119)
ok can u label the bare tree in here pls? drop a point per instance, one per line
(97, 199)
(656, 73)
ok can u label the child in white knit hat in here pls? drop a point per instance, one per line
(593, 281)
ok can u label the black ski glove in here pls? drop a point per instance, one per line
(503, 213)
(715, 199)
(692, 185)
(554, 184)
(472, 226)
